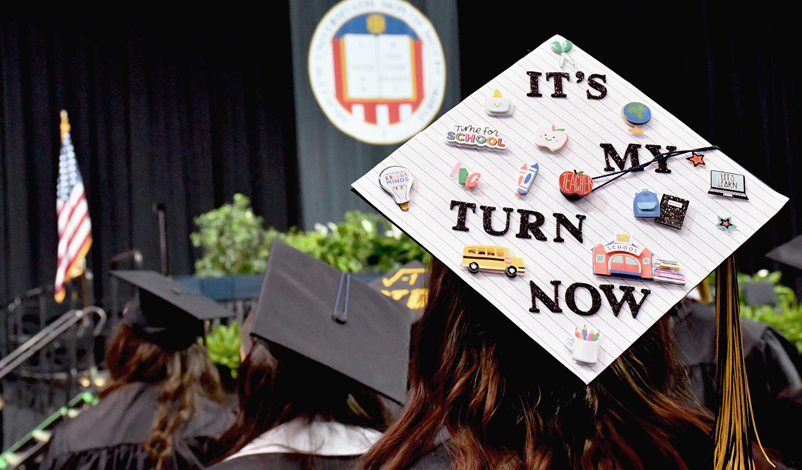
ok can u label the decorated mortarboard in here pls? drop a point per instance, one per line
(568, 262)
(334, 319)
(166, 312)
(406, 285)
(789, 253)
(570, 252)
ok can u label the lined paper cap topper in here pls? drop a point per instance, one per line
(566, 259)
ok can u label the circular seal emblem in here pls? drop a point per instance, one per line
(377, 69)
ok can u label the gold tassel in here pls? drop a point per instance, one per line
(704, 291)
(735, 423)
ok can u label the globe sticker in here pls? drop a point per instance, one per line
(377, 70)
(636, 114)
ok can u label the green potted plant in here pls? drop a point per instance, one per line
(223, 345)
(235, 246)
(786, 317)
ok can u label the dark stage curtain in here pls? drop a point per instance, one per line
(190, 107)
(728, 71)
(184, 106)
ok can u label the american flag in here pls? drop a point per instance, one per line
(74, 227)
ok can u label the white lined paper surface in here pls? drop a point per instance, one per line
(699, 246)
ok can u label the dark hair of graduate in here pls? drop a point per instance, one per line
(508, 404)
(277, 385)
(184, 379)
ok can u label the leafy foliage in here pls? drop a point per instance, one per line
(234, 241)
(787, 321)
(223, 345)
(785, 318)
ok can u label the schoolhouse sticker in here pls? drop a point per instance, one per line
(377, 69)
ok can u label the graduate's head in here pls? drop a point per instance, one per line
(278, 385)
(507, 403)
(157, 342)
(158, 338)
(131, 358)
(325, 347)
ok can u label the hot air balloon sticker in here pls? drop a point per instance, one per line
(397, 182)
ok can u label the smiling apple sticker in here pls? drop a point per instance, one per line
(547, 137)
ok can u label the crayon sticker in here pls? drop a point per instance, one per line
(526, 175)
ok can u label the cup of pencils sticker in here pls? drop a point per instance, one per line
(584, 345)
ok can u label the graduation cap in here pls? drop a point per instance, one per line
(789, 253)
(568, 262)
(166, 312)
(334, 319)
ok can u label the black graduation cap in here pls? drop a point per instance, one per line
(788, 253)
(334, 319)
(166, 312)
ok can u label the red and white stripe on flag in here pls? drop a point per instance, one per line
(74, 226)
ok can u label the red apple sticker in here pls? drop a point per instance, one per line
(574, 184)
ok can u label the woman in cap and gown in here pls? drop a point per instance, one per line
(164, 402)
(483, 394)
(327, 350)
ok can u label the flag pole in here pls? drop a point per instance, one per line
(65, 123)
(85, 286)
(72, 214)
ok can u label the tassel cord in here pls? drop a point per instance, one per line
(660, 157)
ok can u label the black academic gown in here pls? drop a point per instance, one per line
(773, 368)
(289, 461)
(699, 456)
(110, 435)
(297, 445)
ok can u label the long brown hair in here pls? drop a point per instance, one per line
(277, 385)
(184, 378)
(508, 404)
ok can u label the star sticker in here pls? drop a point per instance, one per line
(696, 159)
(725, 223)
